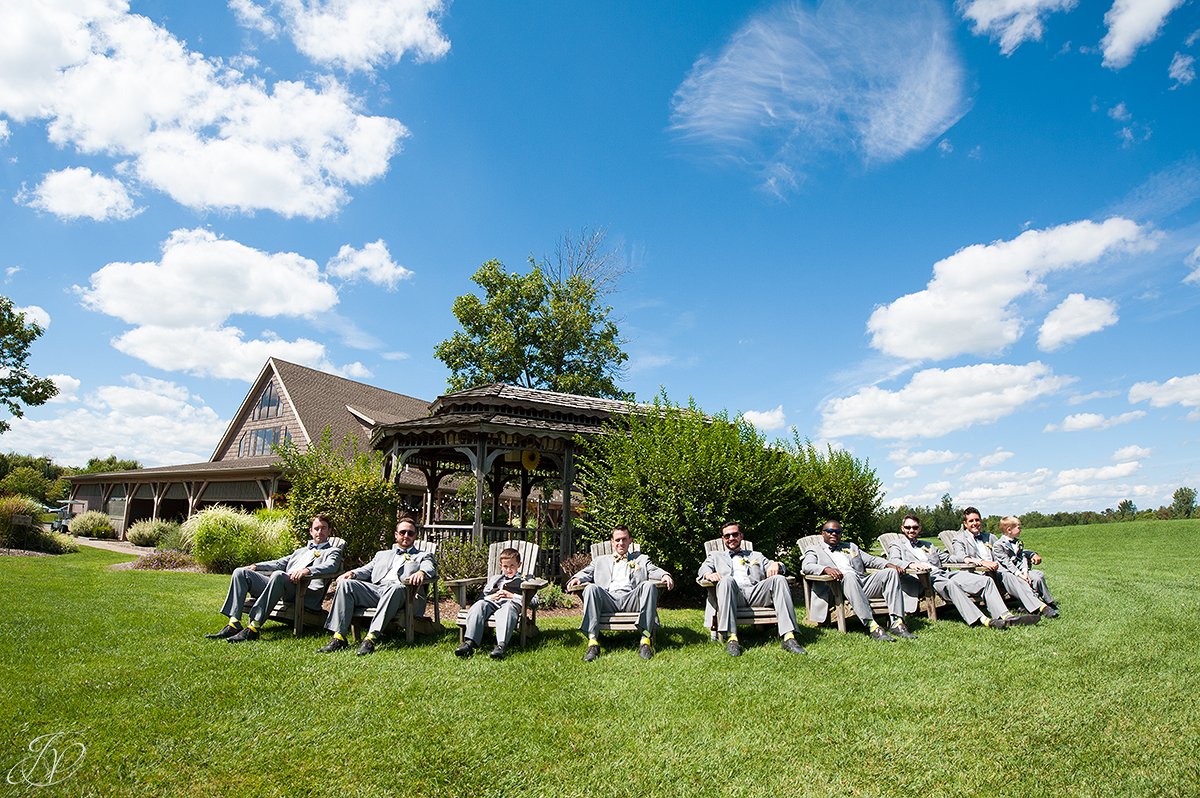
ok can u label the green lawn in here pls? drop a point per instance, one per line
(1103, 701)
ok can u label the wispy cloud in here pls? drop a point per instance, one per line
(1078, 422)
(797, 82)
(1011, 22)
(1132, 23)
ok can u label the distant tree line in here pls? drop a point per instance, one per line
(43, 480)
(948, 515)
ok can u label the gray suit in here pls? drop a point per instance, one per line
(1016, 559)
(756, 590)
(982, 547)
(380, 584)
(507, 612)
(269, 581)
(858, 586)
(640, 594)
(956, 587)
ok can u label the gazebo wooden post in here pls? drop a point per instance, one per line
(566, 544)
(480, 478)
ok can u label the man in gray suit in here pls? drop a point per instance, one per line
(502, 599)
(748, 579)
(275, 580)
(960, 588)
(387, 583)
(974, 546)
(623, 581)
(848, 563)
(1016, 559)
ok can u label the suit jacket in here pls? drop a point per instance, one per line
(324, 560)
(1012, 556)
(721, 562)
(964, 545)
(903, 552)
(817, 559)
(499, 582)
(414, 560)
(600, 570)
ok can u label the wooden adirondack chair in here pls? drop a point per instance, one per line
(527, 626)
(927, 598)
(746, 616)
(408, 619)
(294, 612)
(617, 621)
(839, 608)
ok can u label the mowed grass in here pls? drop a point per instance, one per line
(1103, 701)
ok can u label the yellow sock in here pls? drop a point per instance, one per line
(733, 638)
(234, 622)
(593, 641)
(986, 621)
(790, 636)
(645, 640)
(339, 636)
(252, 627)
(371, 636)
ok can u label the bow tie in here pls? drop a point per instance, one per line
(318, 545)
(620, 557)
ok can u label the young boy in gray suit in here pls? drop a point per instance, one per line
(501, 599)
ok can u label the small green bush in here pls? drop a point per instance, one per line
(54, 543)
(150, 533)
(13, 536)
(92, 524)
(461, 559)
(169, 560)
(553, 597)
(175, 540)
(223, 538)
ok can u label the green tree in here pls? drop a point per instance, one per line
(1126, 510)
(838, 486)
(549, 328)
(18, 387)
(672, 475)
(348, 486)
(25, 481)
(1183, 503)
(104, 465)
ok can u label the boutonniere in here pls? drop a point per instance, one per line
(407, 557)
(633, 565)
(744, 561)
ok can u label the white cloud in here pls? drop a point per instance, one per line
(36, 314)
(76, 192)
(967, 306)
(1177, 390)
(253, 16)
(1011, 22)
(995, 458)
(1193, 262)
(984, 487)
(945, 147)
(1132, 23)
(1081, 398)
(113, 83)
(219, 352)
(4, 131)
(1075, 317)
(359, 34)
(372, 262)
(154, 421)
(927, 457)
(1182, 70)
(796, 82)
(1078, 422)
(766, 419)
(68, 388)
(1077, 496)
(1131, 452)
(905, 472)
(1119, 113)
(939, 401)
(1119, 471)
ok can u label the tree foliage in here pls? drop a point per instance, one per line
(104, 465)
(348, 486)
(1183, 503)
(19, 387)
(25, 481)
(673, 475)
(548, 328)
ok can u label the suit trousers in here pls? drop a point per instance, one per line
(267, 589)
(506, 613)
(597, 601)
(773, 591)
(1022, 591)
(352, 594)
(859, 591)
(962, 588)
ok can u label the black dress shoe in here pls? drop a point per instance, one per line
(229, 631)
(997, 624)
(878, 634)
(367, 646)
(465, 650)
(498, 652)
(644, 651)
(734, 648)
(591, 653)
(1049, 612)
(1024, 619)
(898, 629)
(243, 636)
(336, 644)
(792, 647)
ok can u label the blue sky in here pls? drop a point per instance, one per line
(961, 240)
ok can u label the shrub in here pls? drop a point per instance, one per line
(150, 533)
(224, 538)
(13, 536)
(168, 560)
(91, 524)
(574, 564)
(553, 597)
(461, 559)
(175, 540)
(54, 543)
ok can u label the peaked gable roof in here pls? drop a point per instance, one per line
(322, 400)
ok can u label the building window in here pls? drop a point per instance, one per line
(260, 442)
(270, 405)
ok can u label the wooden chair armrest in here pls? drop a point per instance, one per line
(958, 566)
(818, 578)
(576, 588)
(534, 584)
(474, 580)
